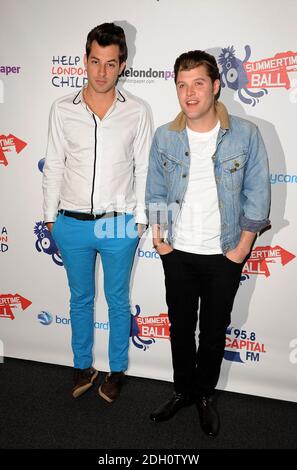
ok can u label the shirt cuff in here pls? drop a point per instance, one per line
(140, 218)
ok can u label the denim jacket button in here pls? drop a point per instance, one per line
(187, 154)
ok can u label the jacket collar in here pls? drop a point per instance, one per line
(179, 123)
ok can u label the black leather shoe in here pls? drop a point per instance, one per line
(168, 409)
(209, 417)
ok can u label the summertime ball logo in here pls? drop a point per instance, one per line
(12, 301)
(245, 76)
(10, 144)
(261, 257)
(144, 330)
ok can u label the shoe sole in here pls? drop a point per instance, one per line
(81, 390)
(105, 397)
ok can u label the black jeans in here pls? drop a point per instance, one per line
(211, 281)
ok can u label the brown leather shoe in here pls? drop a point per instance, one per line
(112, 385)
(83, 379)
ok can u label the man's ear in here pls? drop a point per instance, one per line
(216, 86)
(122, 66)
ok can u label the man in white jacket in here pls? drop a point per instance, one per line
(94, 189)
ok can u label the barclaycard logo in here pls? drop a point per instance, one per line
(45, 318)
(148, 254)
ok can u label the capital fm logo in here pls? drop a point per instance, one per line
(10, 144)
(262, 257)
(8, 302)
(245, 76)
(243, 346)
(3, 240)
(145, 330)
(46, 244)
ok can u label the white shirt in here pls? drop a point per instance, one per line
(95, 165)
(198, 226)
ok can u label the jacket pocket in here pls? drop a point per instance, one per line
(233, 171)
(168, 162)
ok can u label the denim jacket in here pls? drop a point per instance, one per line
(241, 174)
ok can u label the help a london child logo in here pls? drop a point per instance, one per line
(10, 146)
(3, 240)
(68, 71)
(243, 346)
(245, 76)
(145, 330)
(262, 257)
(8, 302)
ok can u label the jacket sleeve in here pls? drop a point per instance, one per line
(256, 187)
(156, 189)
(54, 166)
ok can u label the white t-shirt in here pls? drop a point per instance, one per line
(198, 226)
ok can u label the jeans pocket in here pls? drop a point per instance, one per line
(233, 264)
(166, 255)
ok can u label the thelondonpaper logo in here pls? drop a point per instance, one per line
(242, 346)
(261, 257)
(10, 143)
(244, 76)
(9, 302)
(151, 327)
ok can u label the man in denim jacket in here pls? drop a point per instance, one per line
(208, 184)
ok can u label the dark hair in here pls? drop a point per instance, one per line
(107, 34)
(192, 59)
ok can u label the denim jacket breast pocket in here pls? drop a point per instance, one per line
(233, 171)
(171, 168)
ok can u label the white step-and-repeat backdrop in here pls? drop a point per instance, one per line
(42, 48)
